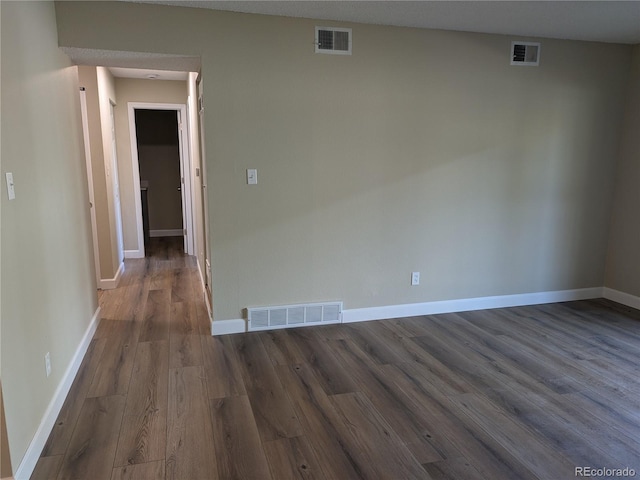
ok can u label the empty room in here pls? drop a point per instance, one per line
(399, 240)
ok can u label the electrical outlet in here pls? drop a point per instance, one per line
(47, 363)
(415, 278)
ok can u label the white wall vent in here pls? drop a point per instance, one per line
(286, 316)
(525, 53)
(332, 40)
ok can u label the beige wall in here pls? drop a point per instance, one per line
(135, 90)
(423, 151)
(160, 167)
(623, 266)
(48, 283)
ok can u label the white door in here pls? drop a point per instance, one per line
(205, 192)
(184, 186)
(92, 203)
(116, 189)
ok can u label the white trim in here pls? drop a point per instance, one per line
(205, 190)
(203, 289)
(203, 285)
(207, 303)
(133, 254)
(137, 200)
(111, 283)
(467, 304)
(207, 270)
(115, 181)
(174, 232)
(225, 327)
(92, 201)
(190, 129)
(187, 180)
(30, 459)
(185, 169)
(621, 297)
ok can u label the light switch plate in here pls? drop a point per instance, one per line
(10, 189)
(252, 176)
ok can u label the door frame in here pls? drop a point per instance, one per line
(205, 197)
(115, 182)
(92, 201)
(185, 170)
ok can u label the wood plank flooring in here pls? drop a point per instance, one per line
(517, 393)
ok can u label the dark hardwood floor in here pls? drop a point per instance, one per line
(516, 393)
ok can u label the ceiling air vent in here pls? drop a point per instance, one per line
(333, 40)
(525, 53)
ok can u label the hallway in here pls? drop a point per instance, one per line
(119, 411)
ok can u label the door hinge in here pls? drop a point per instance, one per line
(184, 231)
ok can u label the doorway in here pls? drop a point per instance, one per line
(160, 179)
(161, 173)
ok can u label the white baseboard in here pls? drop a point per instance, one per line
(133, 254)
(621, 297)
(207, 303)
(111, 283)
(176, 232)
(202, 282)
(203, 285)
(225, 327)
(30, 459)
(467, 304)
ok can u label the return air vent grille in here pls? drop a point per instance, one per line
(333, 40)
(525, 53)
(285, 316)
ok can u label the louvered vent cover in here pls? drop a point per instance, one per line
(525, 53)
(285, 316)
(333, 40)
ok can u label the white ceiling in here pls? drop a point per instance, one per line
(599, 21)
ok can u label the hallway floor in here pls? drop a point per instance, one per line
(153, 335)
